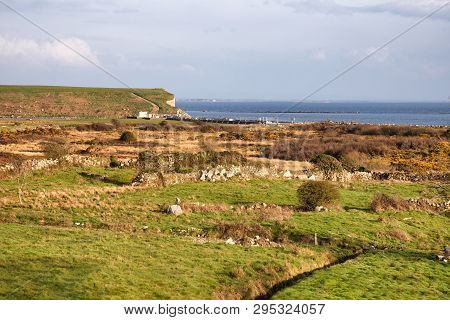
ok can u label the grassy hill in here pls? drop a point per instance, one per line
(46, 101)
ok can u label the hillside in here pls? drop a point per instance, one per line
(46, 101)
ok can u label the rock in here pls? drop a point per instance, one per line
(177, 201)
(145, 228)
(320, 209)
(230, 241)
(175, 209)
(312, 178)
(287, 174)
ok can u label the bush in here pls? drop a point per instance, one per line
(328, 164)
(353, 161)
(312, 194)
(187, 162)
(382, 202)
(128, 136)
(53, 150)
(116, 123)
(95, 127)
(114, 162)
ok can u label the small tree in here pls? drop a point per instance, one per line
(312, 194)
(328, 165)
(20, 172)
(128, 136)
(55, 150)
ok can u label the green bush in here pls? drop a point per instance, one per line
(312, 194)
(114, 162)
(128, 136)
(327, 164)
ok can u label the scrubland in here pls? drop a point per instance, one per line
(88, 232)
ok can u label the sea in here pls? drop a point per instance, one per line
(407, 113)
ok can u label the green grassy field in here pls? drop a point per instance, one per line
(54, 263)
(79, 234)
(376, 275)
(27, 101)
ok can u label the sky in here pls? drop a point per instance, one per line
(233, 49)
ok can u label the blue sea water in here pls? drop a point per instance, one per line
(414, 113)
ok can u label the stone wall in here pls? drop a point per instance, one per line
(41, 164)
(246, 172)
(411, 176)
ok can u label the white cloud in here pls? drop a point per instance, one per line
(47, 51)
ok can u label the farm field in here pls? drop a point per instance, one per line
(84, 239)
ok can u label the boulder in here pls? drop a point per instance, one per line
(288, 174)
(230, 241)
(175, 209)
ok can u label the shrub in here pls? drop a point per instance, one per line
(187, 162)
(114, 162)
(116, 123)
(53, 150)
(312, 194)
(353, 161)
(382, 202)
(328, 164)
(95, 127)
(240, 231)
(128, 136)
(400, 235)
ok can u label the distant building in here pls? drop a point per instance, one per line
(142, 115)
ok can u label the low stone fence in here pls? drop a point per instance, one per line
(41, 164)
(411, 176)
(222, 173)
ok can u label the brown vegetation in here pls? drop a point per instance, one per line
(382, 202)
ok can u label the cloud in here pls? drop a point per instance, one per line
(47, 51)
(414, 8)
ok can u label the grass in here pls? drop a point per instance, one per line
(46, 254)
(381, 275)
(53, 263)
(75, 101)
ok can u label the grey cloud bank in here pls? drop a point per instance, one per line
(233, 49)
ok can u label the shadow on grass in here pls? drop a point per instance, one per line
(348, 208)
(33, 278)
(101, 178)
